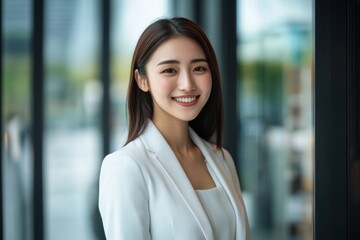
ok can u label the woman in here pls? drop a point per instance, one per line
(168, 181)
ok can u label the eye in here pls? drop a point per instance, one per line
(169, 71)
(200, 69)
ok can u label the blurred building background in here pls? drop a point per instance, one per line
(65, 70)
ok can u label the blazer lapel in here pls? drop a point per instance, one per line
(163, 154)
(212, 158)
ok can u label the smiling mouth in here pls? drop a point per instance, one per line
(185, 99)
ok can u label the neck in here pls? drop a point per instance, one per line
(176, 133)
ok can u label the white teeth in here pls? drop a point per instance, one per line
(185, 100)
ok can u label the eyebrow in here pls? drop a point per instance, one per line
(178, 62)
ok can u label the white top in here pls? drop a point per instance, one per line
(219, 210)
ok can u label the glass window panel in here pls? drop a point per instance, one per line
(16, 119)
(72, 136)
(129, 19)
(275, 51)
(16, 99)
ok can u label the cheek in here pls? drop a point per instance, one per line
(206, 84)
(206, 88)
(160, 85)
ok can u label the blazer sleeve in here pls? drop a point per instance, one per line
(123, 199)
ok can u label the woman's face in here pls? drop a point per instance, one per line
(179, 79)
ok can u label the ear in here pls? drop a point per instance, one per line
(141, 81)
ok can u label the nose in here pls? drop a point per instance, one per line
(186, 82)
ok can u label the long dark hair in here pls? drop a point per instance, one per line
(209, 123)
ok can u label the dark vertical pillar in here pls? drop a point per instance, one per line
(228, 63)
(38, 116)
(198, 12)
(337, 169)
(105, 26)
(353, 130)
(330, 220)
(105, 73)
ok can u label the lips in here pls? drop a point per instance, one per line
(186, 100)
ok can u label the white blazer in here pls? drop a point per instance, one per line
(145, 194)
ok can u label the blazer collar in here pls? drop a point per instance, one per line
(157, 145)
(216, 161)
(163, 154)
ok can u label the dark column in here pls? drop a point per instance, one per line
(38, 117)
(353, 128)
(337, 171)
(228, 64)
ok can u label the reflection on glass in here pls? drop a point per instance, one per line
(72, 138)
(275, 95)
(16, 160)
(129, 20)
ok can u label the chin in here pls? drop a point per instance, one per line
(187, 118)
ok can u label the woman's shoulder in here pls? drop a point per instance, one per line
(222, 152)
(222, 155)
(121, 173)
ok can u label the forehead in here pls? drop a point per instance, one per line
(179, 48)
